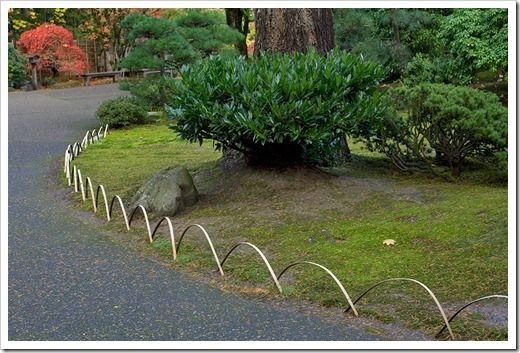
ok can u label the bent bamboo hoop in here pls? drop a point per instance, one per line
(468, 304)
(123, 210)
(89, 183)
(84, 142)
(90, 137)
(100, 135)
(75, 177)
(76, 149)
(329, 272)
(441, 310)
(95, 136)
(102, 188)
(209, 242)
(172, 234)
(271, 272)
(143, 211)
(81, 187)
(66, 160)
(68, 163)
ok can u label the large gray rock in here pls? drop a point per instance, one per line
(167, 192)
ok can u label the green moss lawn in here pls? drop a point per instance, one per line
(451, 236)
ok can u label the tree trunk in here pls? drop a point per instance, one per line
(296, 30)
(293, 30)
(239, 20)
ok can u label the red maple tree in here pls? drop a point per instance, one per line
(56, 47)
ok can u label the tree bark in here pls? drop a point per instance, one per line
(293, 30)
(297, 30)
(239, 20)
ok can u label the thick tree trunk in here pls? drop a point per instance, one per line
(293, 30)
(239, 20)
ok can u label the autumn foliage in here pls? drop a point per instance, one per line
(56, 47)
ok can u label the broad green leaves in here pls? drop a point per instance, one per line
(307, 100)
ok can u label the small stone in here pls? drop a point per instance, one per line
(167, 192)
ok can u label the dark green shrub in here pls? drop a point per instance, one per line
(125, 84)
(444, 123)
(390, 37)
(425, 69)
(278, 108)
(121, 112)
(164, 44)
(16, 73)
(153, 92)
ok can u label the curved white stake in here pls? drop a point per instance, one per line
(145, 214)
(76, 149)
(75, 177)
(81, 187)
(271, 272)
(123, 210)
(329, 272)
(468, 304)
(84, 142)
(102, 188)
(106, 131)
(432, 295)
(91, 188)
(66, 160)
(172, 234)
(209, 242)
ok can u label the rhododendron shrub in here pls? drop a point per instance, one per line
(56, 47)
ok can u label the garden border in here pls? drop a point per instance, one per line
(75, 179)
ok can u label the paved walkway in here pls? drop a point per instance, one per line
(67, 281)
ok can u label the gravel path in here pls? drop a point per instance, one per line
(68, 281)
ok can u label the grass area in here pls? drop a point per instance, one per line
(451, 236)
(128, 157)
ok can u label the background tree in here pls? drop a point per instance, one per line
(390, 37)
(22, 19)
(17, 67)
(156, 44)
(298, 30)
(160, 43)
(104, 26)
(476, 40)
(446, 45)
(207, 32)
(166, 44)
(56, 47)
(293, 30)
(239, 19)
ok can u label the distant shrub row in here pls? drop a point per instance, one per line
(282, 109)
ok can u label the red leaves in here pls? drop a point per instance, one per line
(56, 48)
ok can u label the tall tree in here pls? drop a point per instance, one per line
(298, 30)
(293, 30)
(103, 26)
(56, 48)
(239, 19)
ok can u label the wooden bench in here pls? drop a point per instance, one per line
(86, 77)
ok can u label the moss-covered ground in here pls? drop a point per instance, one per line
(452, 236)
